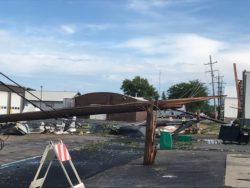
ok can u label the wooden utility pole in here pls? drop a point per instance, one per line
(238, 91)
(220, 91)
(198, 120)
(150, 147)
(212, 76)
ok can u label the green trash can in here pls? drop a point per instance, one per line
(184, 138)
(166, 141)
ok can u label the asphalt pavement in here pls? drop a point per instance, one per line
(117, 162)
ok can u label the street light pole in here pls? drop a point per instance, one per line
(41, 96)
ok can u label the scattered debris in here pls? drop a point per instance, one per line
(211, 141)
(169, 176)
(18, 129)
(65, 126)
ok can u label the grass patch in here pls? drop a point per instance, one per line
(93, 146)
(209, 128)
(182, 145)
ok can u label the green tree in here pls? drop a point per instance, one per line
(193, 88)
(163, 96)
(139, 87)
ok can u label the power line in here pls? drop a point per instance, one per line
(45, 112)
(40, 99)
(196, 91)
(186, 93)
(24, 98)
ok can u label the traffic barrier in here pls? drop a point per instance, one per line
(60, 152)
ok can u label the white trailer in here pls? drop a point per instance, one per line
(230, 107)
(246, 98)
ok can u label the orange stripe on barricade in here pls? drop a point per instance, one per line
(62, 152)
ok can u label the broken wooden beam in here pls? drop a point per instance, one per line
(150, 146)
(99, 109)
(79, 111)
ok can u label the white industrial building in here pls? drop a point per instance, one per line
(11, 102)
(50, 99)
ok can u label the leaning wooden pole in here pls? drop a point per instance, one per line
(150, 147)
(238, 91)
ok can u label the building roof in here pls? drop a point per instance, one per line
(103, 98)
(50, 95)
(11, 88)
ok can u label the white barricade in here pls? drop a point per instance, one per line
(60, 152)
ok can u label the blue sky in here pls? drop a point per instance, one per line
(93, 45)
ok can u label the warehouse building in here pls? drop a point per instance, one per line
(10, 101)
(51, 99)
(108, 98)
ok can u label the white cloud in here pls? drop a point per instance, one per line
(96, 27)
(39, 63)
(179, 57)
(24, 55)
(68, 29)
(146, 45)
(145, 5)
(151, 7)
(190, 45)
(71, 29)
